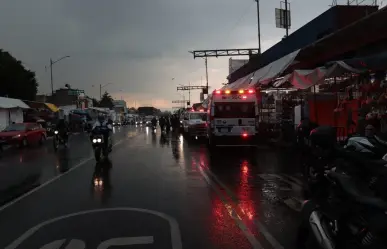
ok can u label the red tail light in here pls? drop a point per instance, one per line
(251, 91)
(244, 135)
(218, 91)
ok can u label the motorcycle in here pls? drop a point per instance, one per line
(344, 215)
(100, 146)
(58, 140)
(361, 157)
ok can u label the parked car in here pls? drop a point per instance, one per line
(23, 134)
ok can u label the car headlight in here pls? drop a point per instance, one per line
(56, 132)
(17, 136)
(94, 140)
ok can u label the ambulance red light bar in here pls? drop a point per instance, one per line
(244, 135)
(201, 110)
(240, 91)
(244, 97)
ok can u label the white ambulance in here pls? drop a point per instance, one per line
(232, 118)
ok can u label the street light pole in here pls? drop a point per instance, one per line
(51, 75)
(52, 82)
(100, 89)
(259, 26)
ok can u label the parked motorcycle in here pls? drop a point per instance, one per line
(361, 157)
(344, 215)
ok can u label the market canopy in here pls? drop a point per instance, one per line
(266, 74)
(8, 103)
(303, 79)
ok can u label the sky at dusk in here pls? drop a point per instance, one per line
(140, 46)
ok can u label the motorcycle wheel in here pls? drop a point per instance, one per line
(97, 154)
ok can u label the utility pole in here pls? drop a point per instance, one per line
(206, 73)
(259, 27)
(189, 92)
(286, 18)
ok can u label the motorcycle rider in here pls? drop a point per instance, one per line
(62, 127)
(103, 122)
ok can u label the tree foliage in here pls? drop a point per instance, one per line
(15, 80)
(106, 101)
(95, 102)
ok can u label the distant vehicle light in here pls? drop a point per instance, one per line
(218, 91)
(227, 92)
(251, 91)
(241, 91)
(56, 132)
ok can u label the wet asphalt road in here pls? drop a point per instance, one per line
(156, 192)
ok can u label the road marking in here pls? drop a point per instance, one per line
(126, 242)
(50, 181)
(58, 244)
(242, 226)
(174, 226)
(262, 228)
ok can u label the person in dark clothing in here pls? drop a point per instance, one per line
(154, 122)
(162, 123)
(63, 129)
(168, 123)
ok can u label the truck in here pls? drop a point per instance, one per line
(232, 118)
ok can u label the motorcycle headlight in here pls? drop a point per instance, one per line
(56, 132)
(99, 140)
(384, 157)
(94, 140)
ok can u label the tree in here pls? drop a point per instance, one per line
(106, 101)
(95, 102)
(16, 81)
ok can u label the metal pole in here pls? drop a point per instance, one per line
(52, 82)
(259, 26)
(206, 74)
(100, 91)
(189, 92)
(286, 18)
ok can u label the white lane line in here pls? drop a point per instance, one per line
(262, 228)
(174, 226)
(250, 237)
(127, 241)
(49, 181)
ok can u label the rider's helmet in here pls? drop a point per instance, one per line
(61, 114)
(101, 117)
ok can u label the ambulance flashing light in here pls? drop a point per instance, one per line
(241, 91)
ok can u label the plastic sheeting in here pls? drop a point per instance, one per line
(8, 103)
(303, 79)
(266, 74)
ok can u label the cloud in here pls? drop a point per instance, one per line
(137, 45)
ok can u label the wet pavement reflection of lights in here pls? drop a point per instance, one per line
(244, 192)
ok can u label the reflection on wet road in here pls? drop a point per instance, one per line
(157, 189)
